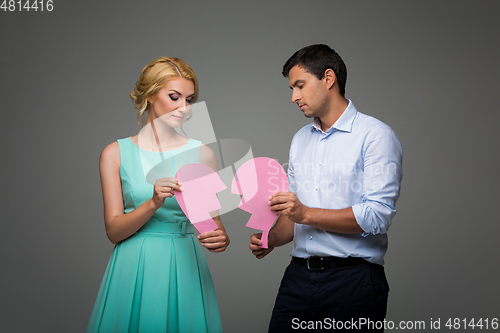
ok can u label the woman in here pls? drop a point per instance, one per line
(157, 279)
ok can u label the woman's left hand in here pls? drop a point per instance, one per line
(214, 241)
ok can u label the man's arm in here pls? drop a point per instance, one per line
(382, 167)
(280, 234)
(335, 220)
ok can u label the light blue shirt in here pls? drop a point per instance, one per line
(356, 163)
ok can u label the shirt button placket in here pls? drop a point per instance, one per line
(319, 158)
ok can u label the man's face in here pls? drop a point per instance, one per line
(309, 93)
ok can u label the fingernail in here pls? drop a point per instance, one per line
(180, 188)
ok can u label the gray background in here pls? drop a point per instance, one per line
(429, 69)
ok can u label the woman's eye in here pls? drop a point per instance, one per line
(173, 97)
(189, 100)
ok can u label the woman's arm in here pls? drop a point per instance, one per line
(217, 240)
(120, 226)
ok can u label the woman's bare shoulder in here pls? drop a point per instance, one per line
(207, 157)
(111, 154)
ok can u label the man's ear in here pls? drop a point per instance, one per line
(329, 78)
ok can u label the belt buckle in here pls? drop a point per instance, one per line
(315, 269)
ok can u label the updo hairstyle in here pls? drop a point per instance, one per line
(153, 78)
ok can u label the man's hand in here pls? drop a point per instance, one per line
(287, 203)
(255, 243)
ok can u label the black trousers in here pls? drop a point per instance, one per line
(347, 299)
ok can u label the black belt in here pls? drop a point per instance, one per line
(322, 263)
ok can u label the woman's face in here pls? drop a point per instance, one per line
(173, 101)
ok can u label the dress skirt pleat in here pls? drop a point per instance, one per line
(151, 285)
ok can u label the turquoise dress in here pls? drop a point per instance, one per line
(157, 280)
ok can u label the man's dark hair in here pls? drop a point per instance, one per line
(316, 59)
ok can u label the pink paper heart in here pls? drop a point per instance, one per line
(256, 180)
(200, 184)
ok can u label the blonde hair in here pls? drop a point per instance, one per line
(153, 78)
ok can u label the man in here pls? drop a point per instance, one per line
(344, 173)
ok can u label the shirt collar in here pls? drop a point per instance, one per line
(344, 123)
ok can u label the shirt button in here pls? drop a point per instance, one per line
(320, 163)
(316, 188)
(310, 237)
(323, 140)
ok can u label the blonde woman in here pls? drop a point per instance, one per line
(157, 279)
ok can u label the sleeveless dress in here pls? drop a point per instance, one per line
(157, 280)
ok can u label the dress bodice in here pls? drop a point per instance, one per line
(136, 164)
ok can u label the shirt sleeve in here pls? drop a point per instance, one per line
(382, 163)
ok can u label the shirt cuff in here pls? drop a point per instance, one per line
(360, 219)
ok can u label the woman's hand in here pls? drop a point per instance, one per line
(164, 188)
(214, 241)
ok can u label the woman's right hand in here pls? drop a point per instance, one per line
(164, 188)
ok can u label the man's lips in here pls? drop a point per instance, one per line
(301, 106)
